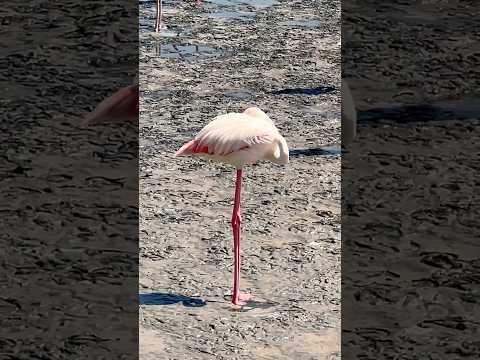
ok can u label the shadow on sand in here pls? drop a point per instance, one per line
(460, 110)
(320, 151)
(169, 299)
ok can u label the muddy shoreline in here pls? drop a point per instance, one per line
(285, 59)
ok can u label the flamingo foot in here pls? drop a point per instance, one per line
(242, 299)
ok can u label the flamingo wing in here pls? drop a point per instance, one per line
(230, 133)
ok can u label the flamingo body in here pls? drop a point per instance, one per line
(239, 139)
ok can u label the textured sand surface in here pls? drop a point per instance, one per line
(284, 59)
(410, 250)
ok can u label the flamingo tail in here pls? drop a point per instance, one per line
(192, 147)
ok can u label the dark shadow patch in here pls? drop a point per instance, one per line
(420, 113)
(170, 299)
(298, 91)
(320, 151)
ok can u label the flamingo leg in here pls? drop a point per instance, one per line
(237, 297)
(158, 20)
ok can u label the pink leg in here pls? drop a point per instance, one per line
(237, 297)
(158, 20)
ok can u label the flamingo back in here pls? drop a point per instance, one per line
(239, 139)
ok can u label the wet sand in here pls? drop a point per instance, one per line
(225, 56)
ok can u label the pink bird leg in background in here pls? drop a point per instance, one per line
(239, 139)
(120, 107)
(158, 14)
(158, 17)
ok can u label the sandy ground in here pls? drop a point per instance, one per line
(284, 58)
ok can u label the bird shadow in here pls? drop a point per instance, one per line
(308, 91)
(415, 113)
(320, 151)
(170, 299)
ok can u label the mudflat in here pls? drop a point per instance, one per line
(213, 58)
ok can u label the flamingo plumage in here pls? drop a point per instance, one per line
(122, 106)
(239, 139)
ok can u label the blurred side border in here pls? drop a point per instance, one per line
(69, 193)
(410, 190)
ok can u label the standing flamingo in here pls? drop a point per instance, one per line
(349, 115)
(239, 139)
(119, 107)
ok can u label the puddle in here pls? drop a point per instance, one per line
(183, 52)
(310, 24)
(321, 151)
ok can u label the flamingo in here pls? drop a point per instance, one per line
(349, 115)
(120, 107)
(239, 139)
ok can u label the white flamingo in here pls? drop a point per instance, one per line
(239, 139)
